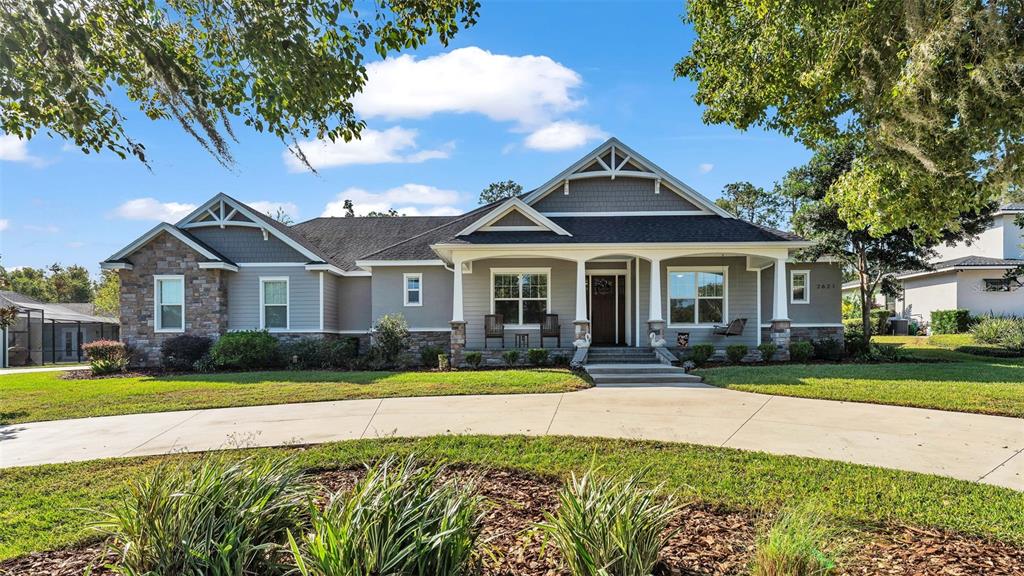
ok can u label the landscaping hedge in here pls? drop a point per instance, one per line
(182, 352)
(955, 321)
(246, 350)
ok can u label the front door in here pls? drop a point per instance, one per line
(608, 310)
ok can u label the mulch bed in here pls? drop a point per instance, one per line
(708, 541)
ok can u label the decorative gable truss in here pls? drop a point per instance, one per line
(614, 159)
(514, 215)
(222, 211)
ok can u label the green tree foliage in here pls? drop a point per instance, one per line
(873, 257)
(32, 283)
(935, 90)
(107, 294)
(499, 191)
(55, 283)
(287, 68)
(71, 284)
(753, 203)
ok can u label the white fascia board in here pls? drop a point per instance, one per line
(324, 267)
(218, 266)
(620, 214)
(375, 263)
(506, 208)
(610, 247)
(674, 182)
(173, 231)
(951, 269)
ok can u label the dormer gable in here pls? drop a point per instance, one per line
(513, 215)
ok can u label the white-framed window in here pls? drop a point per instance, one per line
(413, 289)
(169, 303)
(522, 296)
(274, 303)
(697, 295)
(799, 286)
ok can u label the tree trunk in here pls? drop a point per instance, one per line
(865, 297)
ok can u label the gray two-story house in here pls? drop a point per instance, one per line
(611, 252)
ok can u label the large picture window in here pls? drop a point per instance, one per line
(169, 301)
(520, 296)
(274, 303)
(696, 296)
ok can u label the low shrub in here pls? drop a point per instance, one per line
(606, 526)
(801, 351)
(768, 350)
(511, 357)
(182, 352)
(107, 356)
(955, 321)
(560, 360)
(246, 350)
(795, 545)
(443, 363)
(104, 350)
(400, 519)
(537, 356)
(828, 349)
(205, 365)
(991, 351)
(473, 359)
(888, 353)
(913, 329)
(428, 356)
(1006, 331)
(207, 516)
(855, 343)
(390, 340)
(702, 353)
(736, 352)
(321, 353)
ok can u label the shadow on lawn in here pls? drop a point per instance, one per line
(983, 371)
(279, 376)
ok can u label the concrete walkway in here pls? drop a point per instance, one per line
(52, 368)
(966, 446)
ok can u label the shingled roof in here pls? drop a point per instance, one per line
(342, 241)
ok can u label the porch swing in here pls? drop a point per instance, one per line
(734, 328)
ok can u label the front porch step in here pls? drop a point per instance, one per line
(621, 355)
(650, 374)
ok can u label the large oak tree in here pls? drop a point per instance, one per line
(288, 68)
(934, 88)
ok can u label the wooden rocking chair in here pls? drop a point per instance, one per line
(550, 329)
(494, 327)
(734, 328)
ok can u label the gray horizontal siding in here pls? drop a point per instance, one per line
(242, 244)
(623, 194)
(388, 298)
(331, 301)
(354, 303)
(244, 297)
(825, 306)
(741, 292)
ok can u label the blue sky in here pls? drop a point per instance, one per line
(524, 93)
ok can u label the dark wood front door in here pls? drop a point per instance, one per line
(608, 310)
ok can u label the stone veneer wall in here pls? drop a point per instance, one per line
(441, 340)
(807, 333)
(492, 356)
(206, 297)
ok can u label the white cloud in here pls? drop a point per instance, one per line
(271, 207)
(42, 228)
(14, 149)
(407, 199)
(394, 145)
(4, 224)
(153, 209)
(563, 135)
(705, 168)
(528, 90)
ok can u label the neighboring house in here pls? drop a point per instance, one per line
(971, 275)
(580, 247)
(46, 333)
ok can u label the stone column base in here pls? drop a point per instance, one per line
(781, 336)
(580, 333)
(458, 342)
(656, 327)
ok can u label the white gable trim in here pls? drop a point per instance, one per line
(621, 155)
(224, 220)
(543, 223)
(145, 238)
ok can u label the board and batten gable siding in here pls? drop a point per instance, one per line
(242, 244)
(244, 297)
(741, 292)
(476, 289)
(388, 296)
(624, 195)
(354, 312)
(826, 284)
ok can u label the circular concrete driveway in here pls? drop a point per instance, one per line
(966, 446)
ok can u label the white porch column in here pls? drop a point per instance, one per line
(457, 314)
(656, 323)
(781, 329)
(581, 326)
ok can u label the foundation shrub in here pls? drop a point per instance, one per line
(801, 351)
(511, 357)
(702, 353)
(474, 359)
(182, 352)
(768, 350)
(828, 349)
(955, 321)
(736, 352)
(429, 356)
(246, 350)
(537, 356)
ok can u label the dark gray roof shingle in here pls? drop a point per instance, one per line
(342, 241)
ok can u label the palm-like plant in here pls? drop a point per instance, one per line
(795, 544)
(610, 527)
(400, 520)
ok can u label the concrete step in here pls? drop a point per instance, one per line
(643, 379)
(634, 369)
(622, 360)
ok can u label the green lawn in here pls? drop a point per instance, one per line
(949, 381)
(45, 396)
(45, 507)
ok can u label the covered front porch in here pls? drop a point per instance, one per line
(562, 297)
